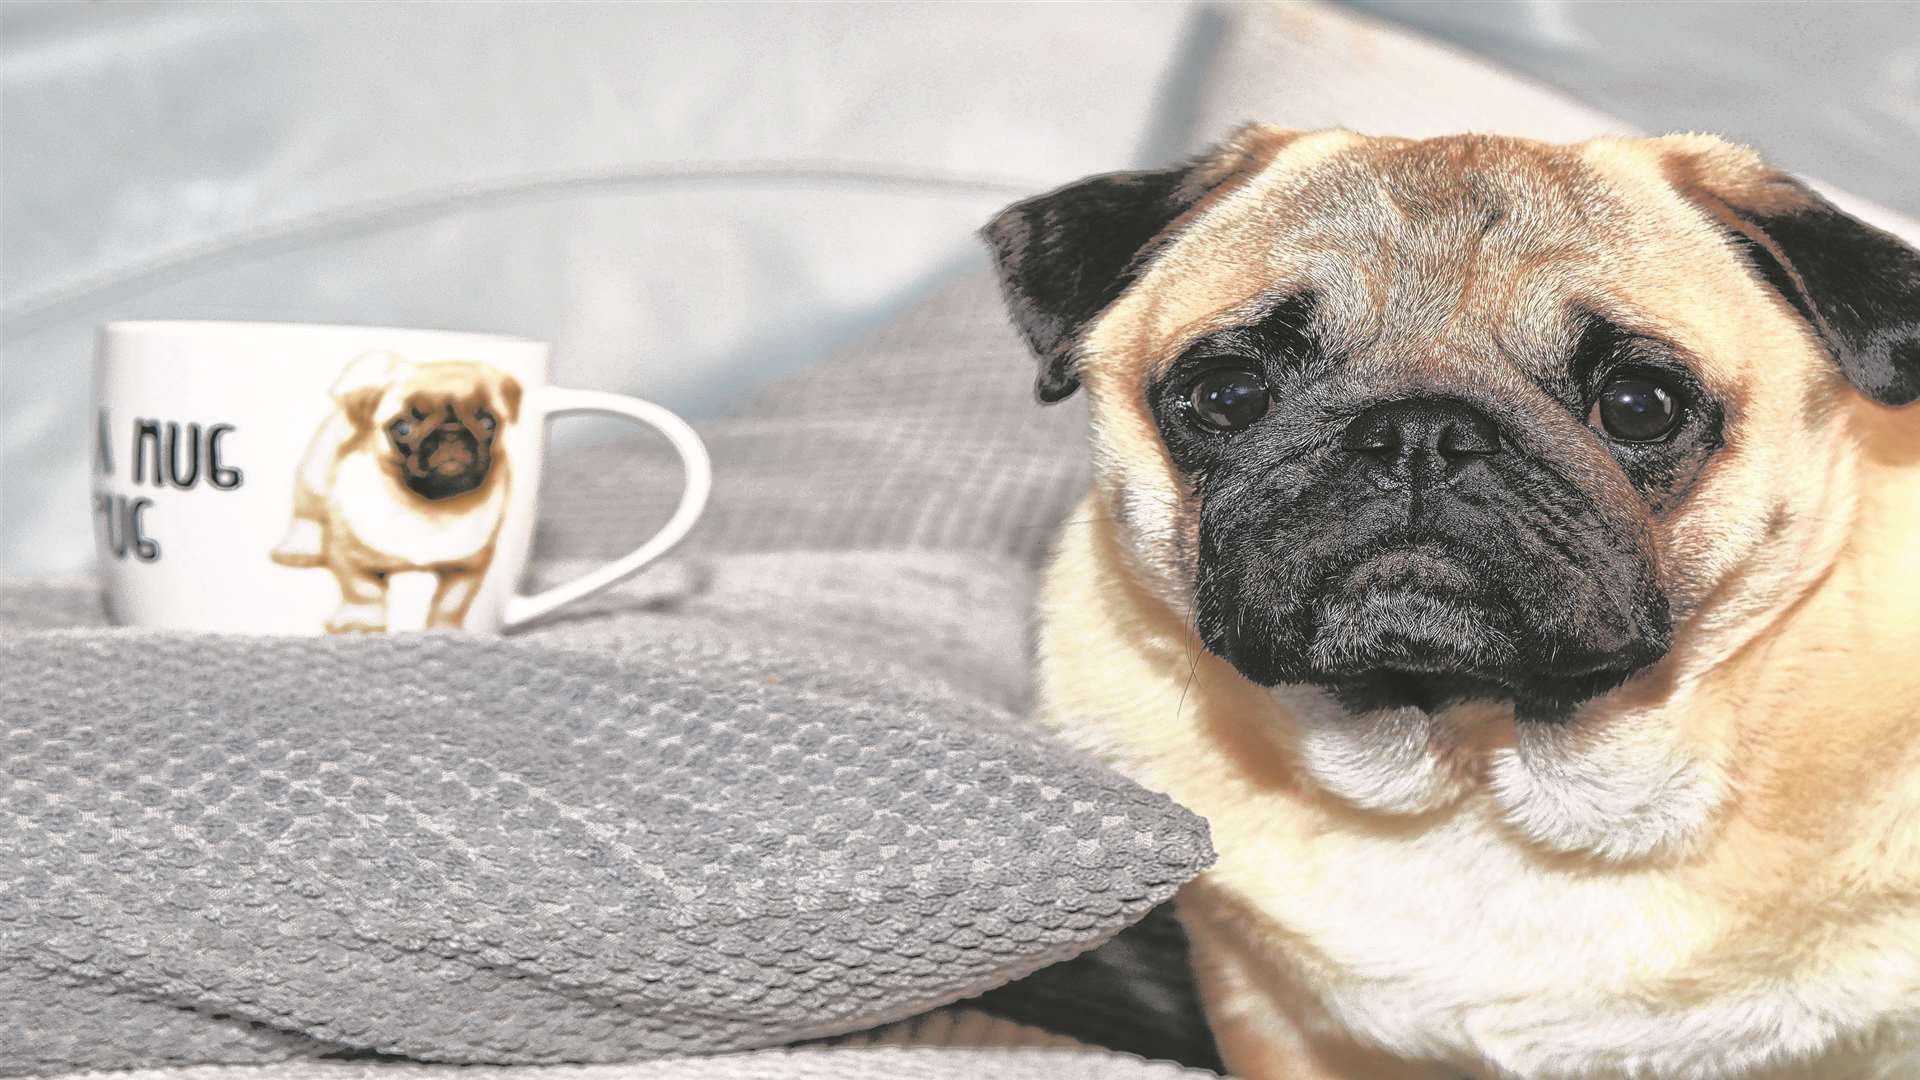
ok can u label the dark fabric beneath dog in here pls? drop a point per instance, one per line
(1135, 993)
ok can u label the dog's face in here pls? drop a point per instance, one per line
(1469, 419)
(437, 427)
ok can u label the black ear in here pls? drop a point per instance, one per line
(1858, 286)
(1064, 256)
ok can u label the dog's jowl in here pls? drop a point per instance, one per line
(1514, 551)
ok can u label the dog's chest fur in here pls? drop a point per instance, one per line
(1441, 938)
(386, 519)
(1449, 946)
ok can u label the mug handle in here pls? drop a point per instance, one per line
(558, 401)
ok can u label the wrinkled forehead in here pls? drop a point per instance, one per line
(1466, 243)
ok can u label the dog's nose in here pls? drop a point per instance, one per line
(1426, 439)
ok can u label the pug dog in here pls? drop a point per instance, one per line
(408, 473)
(1513, 550)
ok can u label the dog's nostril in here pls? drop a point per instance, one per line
(1473, 435)
(1369, 433)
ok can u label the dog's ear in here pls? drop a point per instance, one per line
(1856, 285)
(358, 389)
(1064, 256)
(510, 397)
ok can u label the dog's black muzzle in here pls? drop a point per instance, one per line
(1420, 561)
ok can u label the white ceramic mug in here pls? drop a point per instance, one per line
(284, 478)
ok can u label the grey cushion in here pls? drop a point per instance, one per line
(864, 1063)
(460, 849)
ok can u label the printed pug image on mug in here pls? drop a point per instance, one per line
(305, 479)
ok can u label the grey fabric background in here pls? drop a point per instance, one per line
(898, 602)
(920, 435)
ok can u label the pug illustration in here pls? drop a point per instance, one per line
(408, 473)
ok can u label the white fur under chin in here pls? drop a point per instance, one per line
(1620, 790)
(1393, 761)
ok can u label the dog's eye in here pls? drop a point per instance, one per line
(1228, 399)
(485, 418)
(401, 429)
(1636, 407)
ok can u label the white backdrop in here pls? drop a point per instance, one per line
(684, 198)
(1825, 87)
(689, 199)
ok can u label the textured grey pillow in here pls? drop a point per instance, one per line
(866, 1063)
(470, 850)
